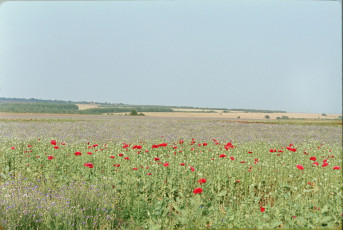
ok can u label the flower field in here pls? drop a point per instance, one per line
(169, 174)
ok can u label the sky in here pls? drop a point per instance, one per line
(275, 55)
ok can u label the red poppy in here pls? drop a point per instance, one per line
(232, 158)
(272, 150)
(89, 153)
(112, 157)
(300, 167)
(202, 181)
(316, 163)
(95, 145)
(197, 191)
(155, 146)
(53, 142)
(148, 174)
(56, 147)
(77, 153)
(134, 168)
(89, 165)
(262, 209)
(120, 154)
(222, 155)
(126, 158)
(13, 148)
(325, 160)
(163, 145)
(180, 141)
(193, 169)
(50, 157)
(336, 167)
(166, 164)
(229, 146)
(137, 147)
(325, 164)
(242, 162)
(313, 158)
(157, 159)
(291, 149)
(182, 164)
(204, 144)
(250, 152)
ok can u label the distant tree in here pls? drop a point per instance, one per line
(133, 112)
(267, 117)
(238, 117)
(323, 114)
(284, 117)
(278, 118)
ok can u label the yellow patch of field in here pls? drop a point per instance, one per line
(87, 106)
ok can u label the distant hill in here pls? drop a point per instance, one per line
(32, 105)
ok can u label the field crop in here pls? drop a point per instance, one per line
(169, 174)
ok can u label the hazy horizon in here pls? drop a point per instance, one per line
(283, 55)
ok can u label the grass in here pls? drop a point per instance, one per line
(130, 186)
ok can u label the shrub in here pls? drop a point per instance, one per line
(323, 114)
(133, 112)
(267, 117)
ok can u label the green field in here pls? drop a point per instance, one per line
(169, 174)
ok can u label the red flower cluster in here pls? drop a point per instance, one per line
(89, 165)
(197, 191)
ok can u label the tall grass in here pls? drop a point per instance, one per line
(151, 185)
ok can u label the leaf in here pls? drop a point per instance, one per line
(223, 193)
(325, 208)
(3, 176)
(276, 224)
(325, 219)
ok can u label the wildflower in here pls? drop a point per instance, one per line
(313, 158)
(193, 169)
(53, 142)
(50, 157)
(202, 181)
(197, 191)
(166, 164)
(77, 153)
(157, 159)
(222, 155)
(232, 158)
(89, 165)
(182, 164)
(336, 167)
(262, 209)
(112, 157)
(300, 167)
(325, 164)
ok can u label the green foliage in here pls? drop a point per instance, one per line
(323, 114)
(267, 116)
(110, 197)
(39, 107)
(133, 112)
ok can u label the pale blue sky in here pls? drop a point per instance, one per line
(283, 55)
